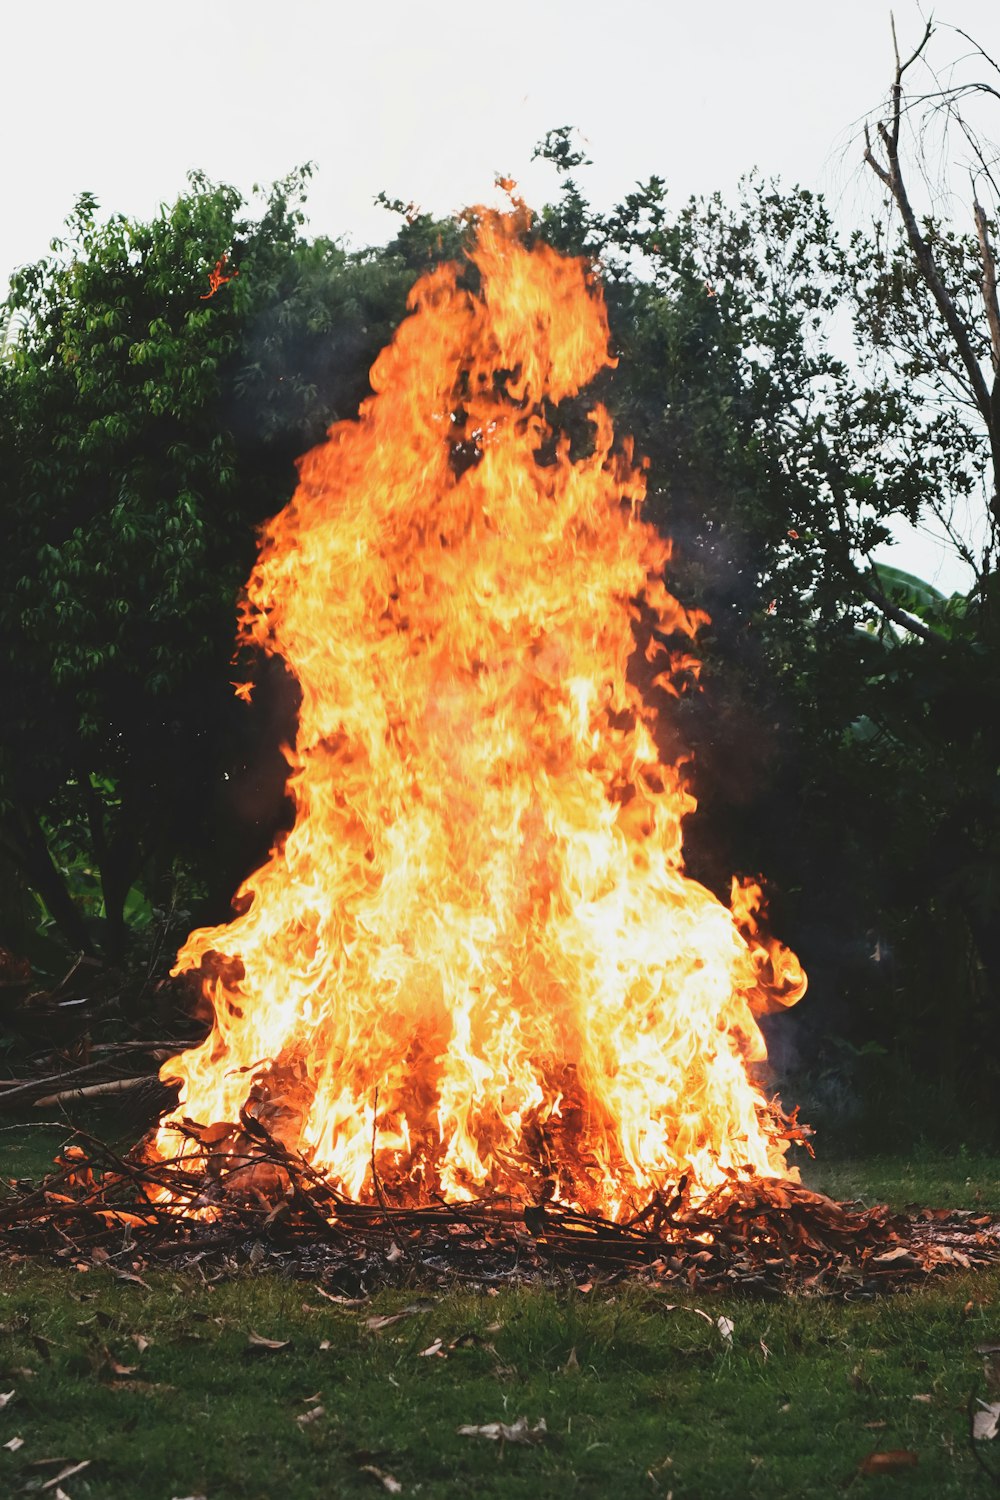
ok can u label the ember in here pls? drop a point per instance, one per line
(476, 965)
(217, 277)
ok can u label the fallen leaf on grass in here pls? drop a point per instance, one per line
(725, 1327)
(507, 1432)
(14, 1444)
(986, 1421)
(312, 1415)
(888, 1462)
(143, 1387)
(341, 1301)
(377, 1322)
(6, 1397)
(70, 1469)
(257, 1344)
(140, 1342)
(386, 1480)
(131, 1276)
(925, 1397)
(436, 1349)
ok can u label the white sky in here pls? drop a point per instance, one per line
(429, 100)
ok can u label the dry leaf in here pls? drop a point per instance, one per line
(986, 1421)
(143, 1387)
(312, 1415)
(699, 1312)
(324, 1344)
(385, 1320)
(900, 1256)
(437, 1348)
(6, 1397)
(50, 1484)
(140, 1342)
(504, 1432)
(341, 1301)
(572, 1363)
(888, 1462)
(387, 1481)
(257, 1342)
(764, 1349)
(394, 1253)
(926, 1398)
(14, 1444)
(131, 1276)
(725, 1327)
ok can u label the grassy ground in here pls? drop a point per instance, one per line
(166, 1393)
(162, 1389)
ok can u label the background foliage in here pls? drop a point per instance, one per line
(795, 390)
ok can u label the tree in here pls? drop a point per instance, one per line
(161, 379)
(857, 761)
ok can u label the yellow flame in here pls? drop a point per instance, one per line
(476, 962)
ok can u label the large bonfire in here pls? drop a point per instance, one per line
(476, 964)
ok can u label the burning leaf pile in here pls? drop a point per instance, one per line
(476, 965)
(762, 1237)
(472, 1015)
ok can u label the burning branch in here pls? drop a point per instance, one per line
(217, 277)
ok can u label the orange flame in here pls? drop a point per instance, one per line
(476, 964)
(217, 277)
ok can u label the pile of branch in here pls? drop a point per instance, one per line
(71, 1043)
(106, 1069)
(265, 1206)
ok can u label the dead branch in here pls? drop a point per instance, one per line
(989, 282)
(96, 1090)
(21, 1090)
(890, 173)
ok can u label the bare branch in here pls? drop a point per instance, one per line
(978, 49)
(891, 174)
(989, 281)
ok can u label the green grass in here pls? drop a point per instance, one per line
(640, 1398)
(955, 1179)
